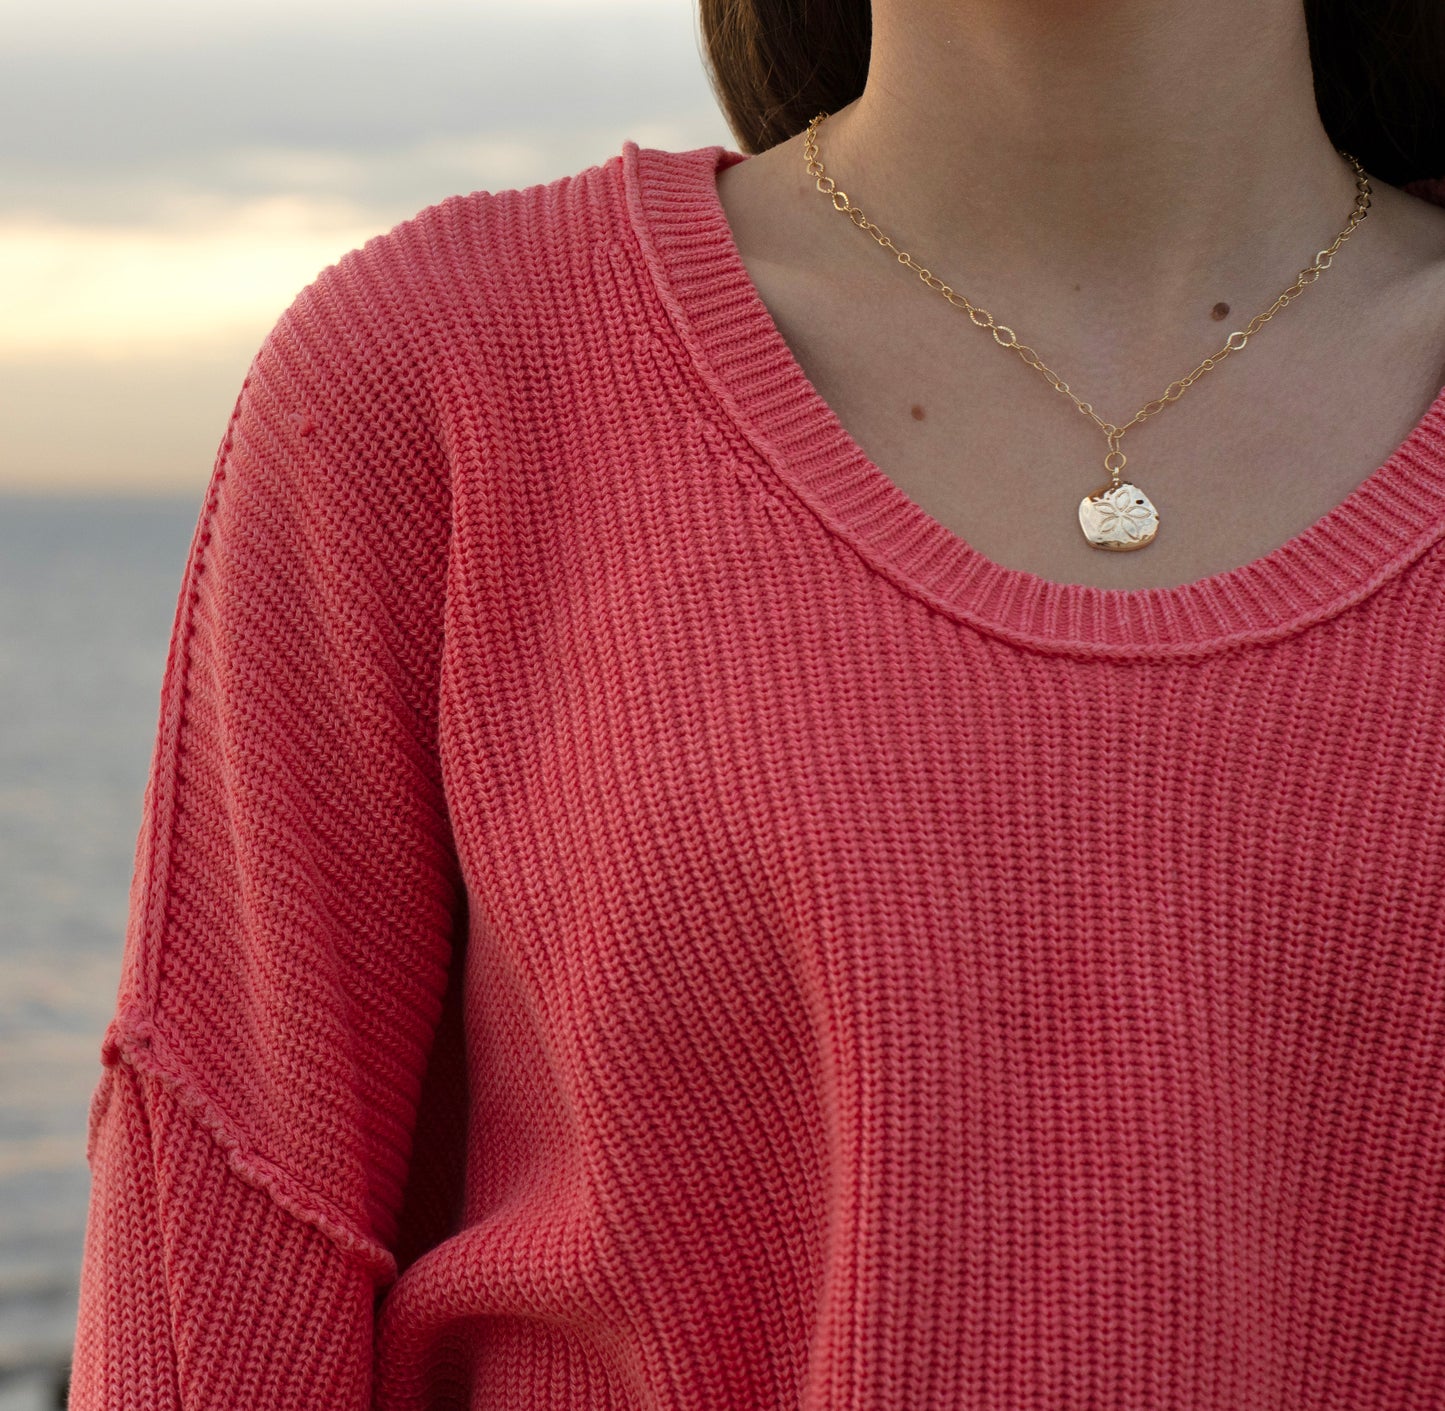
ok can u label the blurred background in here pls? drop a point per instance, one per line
(171, 176)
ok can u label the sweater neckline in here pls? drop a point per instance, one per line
(1383, 525)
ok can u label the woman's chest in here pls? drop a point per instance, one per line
(700, 711)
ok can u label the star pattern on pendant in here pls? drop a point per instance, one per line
(1117, 512)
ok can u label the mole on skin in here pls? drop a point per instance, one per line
(917, 413)
(1219, 311)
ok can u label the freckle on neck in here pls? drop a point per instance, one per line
(917, 412)
(1219, 311)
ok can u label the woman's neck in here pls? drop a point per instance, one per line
(1124, 159)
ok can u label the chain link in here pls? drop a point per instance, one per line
(983, 319)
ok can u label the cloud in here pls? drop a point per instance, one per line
(188, 187)
(373, 85)
(71, 26)
(117, 293)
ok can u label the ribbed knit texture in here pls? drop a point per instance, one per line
(631, 914)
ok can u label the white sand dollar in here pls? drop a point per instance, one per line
(1118, 517)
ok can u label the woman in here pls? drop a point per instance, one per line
(677, 875)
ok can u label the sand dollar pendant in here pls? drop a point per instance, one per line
(1118, 515)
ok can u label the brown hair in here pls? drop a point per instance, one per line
(1379, 69)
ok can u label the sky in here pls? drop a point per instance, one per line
(173, 174)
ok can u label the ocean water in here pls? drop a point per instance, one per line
(88, 591)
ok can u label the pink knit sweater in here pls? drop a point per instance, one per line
(632, 914)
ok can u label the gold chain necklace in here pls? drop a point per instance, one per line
(1118, 515)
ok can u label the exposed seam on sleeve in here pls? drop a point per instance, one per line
(133, 1037)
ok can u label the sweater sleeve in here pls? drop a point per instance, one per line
(295, 898)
